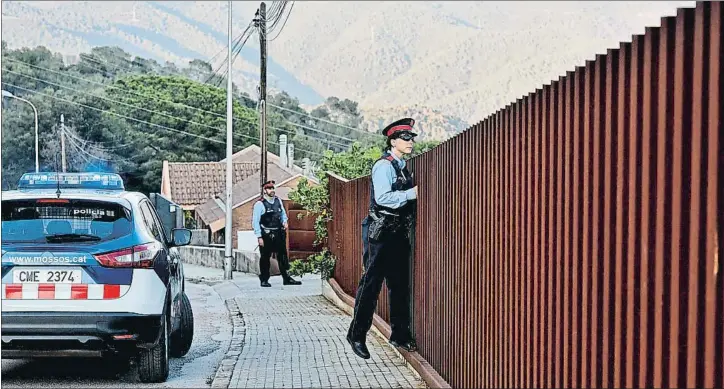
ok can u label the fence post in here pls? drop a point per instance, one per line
(411, 275)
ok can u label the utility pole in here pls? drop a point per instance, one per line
(62, 140)
(228, 274)
(262, 91)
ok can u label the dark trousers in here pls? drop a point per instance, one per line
(274, 242)
(387, 259)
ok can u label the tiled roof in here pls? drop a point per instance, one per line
(193, 183)
(253, 154)
(214, 209)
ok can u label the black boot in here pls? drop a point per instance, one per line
(409, 345)
(359, 348)
(265, 284)
(292, 281)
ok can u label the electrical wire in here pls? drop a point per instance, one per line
(115, 101)
(236, 49)
(93, 145)
(213, 113)
(235, 54)
(179, 104)
(119, 115)
(110, 86)
(285, 22)
(176, 117)
(143, 121)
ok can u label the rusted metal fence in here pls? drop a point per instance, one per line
(574, 238)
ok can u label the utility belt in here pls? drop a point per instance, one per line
(271, 232)
(382, 222)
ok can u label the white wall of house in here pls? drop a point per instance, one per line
(247, 241)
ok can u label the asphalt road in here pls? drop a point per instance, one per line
(212, 334)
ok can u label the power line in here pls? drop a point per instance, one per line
(285, 22)
(162, 113)
(318, 140)
(90, 144)
(233, 59)
(115, 101)
(305, 114)
(111, 86)
(141, 121)
(97, 61)
(324, 121)
(72, 141)
(119, 115)
(275, 14)
(236, 50)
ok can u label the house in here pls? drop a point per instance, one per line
(200, 188)
(211, 215)
(190, 184)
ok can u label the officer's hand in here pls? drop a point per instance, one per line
(261, 242)
(415, 188)
(286, 226)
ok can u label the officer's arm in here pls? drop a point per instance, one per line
(256, 218)
(383, 175)
(284, 213)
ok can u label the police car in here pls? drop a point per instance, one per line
(88, 270)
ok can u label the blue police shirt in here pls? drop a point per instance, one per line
(259, 210)
(383, 176)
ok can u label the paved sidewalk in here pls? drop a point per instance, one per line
(294, 337)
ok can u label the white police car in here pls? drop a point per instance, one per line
(87, 269)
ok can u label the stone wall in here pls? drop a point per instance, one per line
(199, 237)
(243, 261)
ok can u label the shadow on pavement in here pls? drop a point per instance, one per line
(67, 368)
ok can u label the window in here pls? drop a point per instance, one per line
(47, 220)
(152, 222)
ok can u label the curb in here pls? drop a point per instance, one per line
(225, 371)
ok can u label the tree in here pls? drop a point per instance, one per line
(139, 112)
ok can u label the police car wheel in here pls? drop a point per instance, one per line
(181, 339)
(153, 363)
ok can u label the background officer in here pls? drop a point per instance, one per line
(386, 253)
(270, 223)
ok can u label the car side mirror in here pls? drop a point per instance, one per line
(181, 236)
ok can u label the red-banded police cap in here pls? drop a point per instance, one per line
(402, 126)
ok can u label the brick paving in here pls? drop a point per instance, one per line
(295, 338)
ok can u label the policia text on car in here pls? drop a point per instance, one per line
(386, 242)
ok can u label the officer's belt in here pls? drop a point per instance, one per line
(388, 213)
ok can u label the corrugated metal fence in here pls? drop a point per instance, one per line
(574, 238)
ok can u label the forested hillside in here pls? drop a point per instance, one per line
(128, 114)
(465, 59)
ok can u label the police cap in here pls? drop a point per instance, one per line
(402, 128)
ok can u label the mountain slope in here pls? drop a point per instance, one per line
(465, 59)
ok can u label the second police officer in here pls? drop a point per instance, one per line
(270, 224)
(385, 238)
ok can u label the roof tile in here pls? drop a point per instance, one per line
(196, 182)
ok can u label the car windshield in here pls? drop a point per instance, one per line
(63, 220)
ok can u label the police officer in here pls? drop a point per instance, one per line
(385, 238)
(270, 223)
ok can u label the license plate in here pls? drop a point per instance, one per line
(46, 276)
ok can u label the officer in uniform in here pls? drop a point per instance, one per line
(270, 223)
(385, 238)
